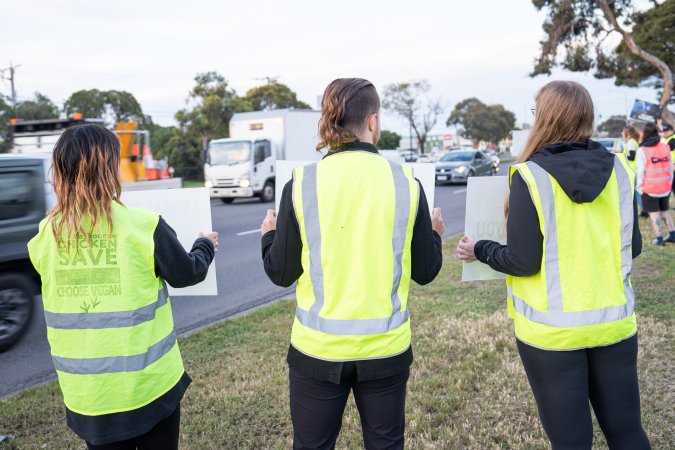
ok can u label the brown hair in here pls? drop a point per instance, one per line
(648, 130)
(564, 113)
(85, 164)
(631, 132)
(346, 104)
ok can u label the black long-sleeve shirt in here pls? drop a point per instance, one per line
(281, 253)
(180, 269)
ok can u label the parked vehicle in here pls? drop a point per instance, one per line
(22, 206)
(458, 165)
(243, 165)
(494, 156)
(611, 144)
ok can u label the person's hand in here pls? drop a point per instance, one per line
(437, 223)
(465, 250)
(270, 222)
(213, 237)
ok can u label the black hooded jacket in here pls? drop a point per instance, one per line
(582, 169)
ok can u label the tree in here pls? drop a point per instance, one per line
(580, 27)
(613, 126)
(654, 32)
(388, 140)
(410, 100)
(112, 106)
(212, 104)
(273, 96)
(479, 121)
(5, 131)
(38, 109)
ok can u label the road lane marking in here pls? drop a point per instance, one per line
(459, 191)
(243, 233)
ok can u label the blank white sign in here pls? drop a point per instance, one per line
(485, 198)
(425, 172)
(188, 212)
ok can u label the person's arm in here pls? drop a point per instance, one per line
(640, 164)
(637, 236)
(282, 248)
(176, 266)
(522, 255)
(632, 151)
(426, 246)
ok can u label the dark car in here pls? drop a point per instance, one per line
(458, 165)
(22, 206)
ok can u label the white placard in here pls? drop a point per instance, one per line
(188, 212)
(425, 172)
(484, 219)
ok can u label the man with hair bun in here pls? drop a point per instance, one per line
(352, 230)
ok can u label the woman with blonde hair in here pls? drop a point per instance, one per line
(572, 234)
(103, 267)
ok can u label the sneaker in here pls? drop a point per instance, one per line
(669, 239)
(659, 242)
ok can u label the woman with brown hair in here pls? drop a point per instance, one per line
(572, 233)
(103, 268)
(353, 229)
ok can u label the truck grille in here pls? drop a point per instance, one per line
(223, 182)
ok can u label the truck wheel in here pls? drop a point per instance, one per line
(16, 307)
(267, 194)
(227, 200)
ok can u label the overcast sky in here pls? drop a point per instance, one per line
(153, 49)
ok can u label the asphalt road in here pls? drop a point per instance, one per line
(242, 285)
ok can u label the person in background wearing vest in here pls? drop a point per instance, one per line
(669, 140)
(572, 234)
(109, 324)
(655, 180)
(353, 230)
(631, 138)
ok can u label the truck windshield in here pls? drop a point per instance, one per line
(226, 153)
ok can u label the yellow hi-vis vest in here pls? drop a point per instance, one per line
(108, 316)
(582, 296)
(356, 212)
(633, 163)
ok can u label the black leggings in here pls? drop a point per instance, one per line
(564, 381)
(164, 436)
(317, 408)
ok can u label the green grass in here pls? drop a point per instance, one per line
(467, 388)
(192, 184)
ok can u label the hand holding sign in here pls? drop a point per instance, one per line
(466, 250)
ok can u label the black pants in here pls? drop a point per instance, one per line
(563, 382)
(317, 408)
(164, 436)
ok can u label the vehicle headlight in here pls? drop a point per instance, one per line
(244, 183)
(460, 169)
(208, 184)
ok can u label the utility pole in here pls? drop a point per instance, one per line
(11, 70)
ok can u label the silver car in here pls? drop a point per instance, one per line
(458, 165)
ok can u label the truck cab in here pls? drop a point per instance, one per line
(237, 168)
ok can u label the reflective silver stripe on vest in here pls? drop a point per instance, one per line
(310, 207)
(541, 177)
(101, 320)
(558, 317)
(113, 364)
(401, 217)
(351, 327)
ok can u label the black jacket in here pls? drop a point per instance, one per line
(582, 169)
(281, 253)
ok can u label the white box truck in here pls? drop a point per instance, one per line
(243, 165)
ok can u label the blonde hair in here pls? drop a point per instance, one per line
(564, 113)
(85, 166)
